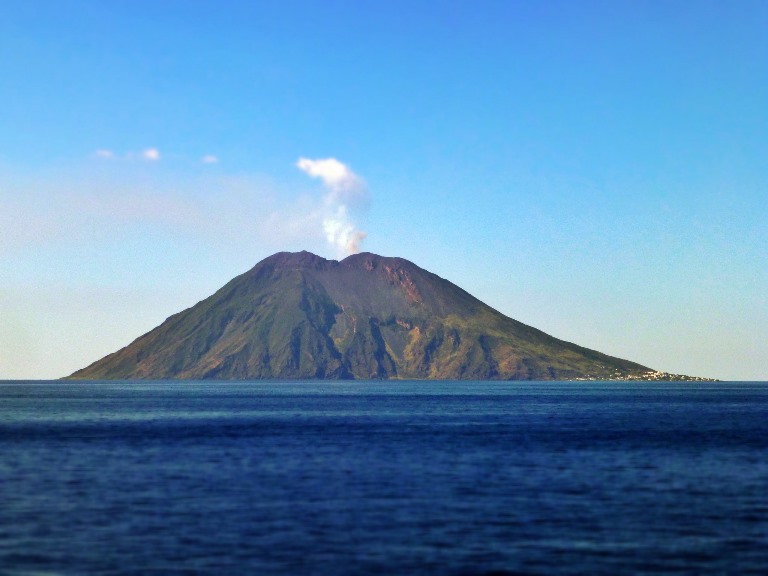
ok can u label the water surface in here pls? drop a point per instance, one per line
(383, 478)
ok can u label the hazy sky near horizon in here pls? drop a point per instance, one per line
(597, 169)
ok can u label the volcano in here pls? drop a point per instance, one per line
(300, 316)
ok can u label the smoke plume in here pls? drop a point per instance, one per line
(346, 193)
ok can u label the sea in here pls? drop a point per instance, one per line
(395, 477)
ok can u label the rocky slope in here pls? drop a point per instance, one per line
(296, 315)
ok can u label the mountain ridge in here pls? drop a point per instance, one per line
(296, 315)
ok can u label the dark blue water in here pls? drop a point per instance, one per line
(383, 478)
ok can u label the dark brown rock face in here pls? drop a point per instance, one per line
(296, 315)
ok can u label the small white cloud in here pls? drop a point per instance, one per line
(209, 159)
(336, 176)
(102, 153)
(152, 154)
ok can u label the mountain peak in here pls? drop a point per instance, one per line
(298, 315)
(294, 260)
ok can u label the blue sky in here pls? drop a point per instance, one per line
(595, 169)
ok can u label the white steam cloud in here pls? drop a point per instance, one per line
(151, 154)
(345, 193)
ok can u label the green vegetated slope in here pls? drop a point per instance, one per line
(296, 315)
